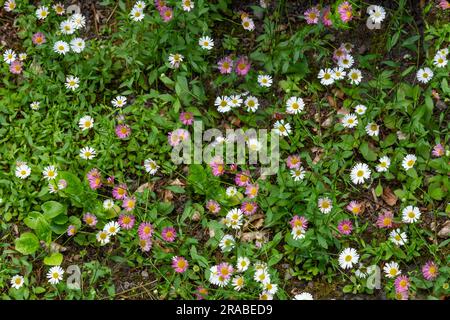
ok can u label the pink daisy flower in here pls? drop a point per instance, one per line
(403, 295)
(90, 219)
(201, 293)
(179, 264)
(123, 131)
(166, 13)
(354, 207)
(187, 118)
(145, 244)
(401, 284)
(385, 219)
(126, 221)
(120, 191)
(242, 179)
(225, 270)
(345, 227)
(312, 15)
(444, 4)
(293, 161)
(242, 66)
(249, 207)
(300, 222)
(339, 53)
(233, 167)
(218, 169)
(110, 180)
(326, 19)
(71, 230)
(38, 38)
(213, 206)
(345, 11)
(438, 150)
(129, 203)
(145, 230)
(225, 65)
(169, 234)
(16, 67)
(430, 270)
(251, 190)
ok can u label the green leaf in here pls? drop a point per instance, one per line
(55, 259)
(52, 209)
(379, 190)
(28, 243)
(366, 152)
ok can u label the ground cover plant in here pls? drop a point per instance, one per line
(96, 95)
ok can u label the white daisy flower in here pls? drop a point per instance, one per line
(440, 61)
(140, 4)
(298, 174)
(112, 228)
(175, 60)
(281, 128)
(262, 276)
(55, 274)
(373, 129)
(59, 9)
(227, 243)
(360, 172)
(22, 171)
(265, 80)
(392, 269)
(409, 161)
(424, 75)
(248, 24)
(50, 173)
(23, 56)
(238, 283)
(303, 296)
(86, 123)
(87, 153)
(108, 204)
(235, 101)
(17, 282)
(360, 109)
(61, 47)
(78, 20)
(253, 144)
(411, 214)
(383, 164)
(294, 105)
(231, 191)
(119, 101)
(67, 27)
(443, 52)
(103, 237)
(150, 166)
(270, 288)
(348, 257)
(10, 5)
(377, 14)
(137, 14)
(339, 73)
(355, 76)
(206, 43)
(242, 264)
(42, 13)
(397, 237)
(265, 296)
(72, 82)
(325, 205)
(35, 105)
(346, 61)
(222, 104)
(326, 76)
(77, 45)
(187, 5)
(9, 56)
(251, 103)
(350, 121)
(298, 233)
(234, 218)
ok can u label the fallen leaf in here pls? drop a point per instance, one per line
(254, 235)
(445, 230)
(389, 197)
(331, 101)
(145, 186)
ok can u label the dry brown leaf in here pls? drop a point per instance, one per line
(145, 186)
(318, 154)
(177, 182)
(389, 197)
(331, 101)
(254, 235)
(255, 221)
(328, 122)
(342, 111)
(167, 195)
(445, 230)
